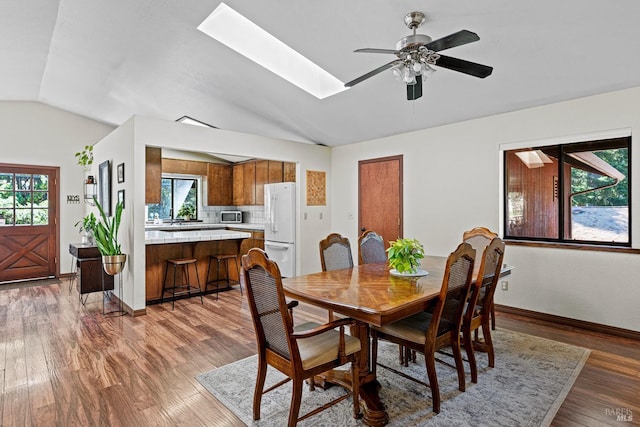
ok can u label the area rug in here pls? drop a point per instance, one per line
(530, 381)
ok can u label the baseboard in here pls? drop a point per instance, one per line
(596, 327)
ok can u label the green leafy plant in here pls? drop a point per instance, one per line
(405, 254)
(106, 230)
(85, 157)
(187, 210)
(87, 224)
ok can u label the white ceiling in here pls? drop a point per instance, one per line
(109, 60)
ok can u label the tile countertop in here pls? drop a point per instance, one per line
(178, 226)
(159, 237)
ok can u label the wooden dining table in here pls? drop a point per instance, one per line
(371, 295)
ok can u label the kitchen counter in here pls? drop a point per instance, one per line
(178, 226)
(159, 237)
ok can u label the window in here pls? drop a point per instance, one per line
(175, 192)
(24, 199)
(576, 192)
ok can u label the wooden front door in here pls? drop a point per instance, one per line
(380, 197)
(28, 230)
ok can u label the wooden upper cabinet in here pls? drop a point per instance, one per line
(153, 174)
(262, 178)
(288, 172)
(275, 171)
(186, 167)
(238, 185)
(249, 183)
(219, 185)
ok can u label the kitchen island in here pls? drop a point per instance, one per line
(162, 245)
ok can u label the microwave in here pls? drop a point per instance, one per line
(231, 217)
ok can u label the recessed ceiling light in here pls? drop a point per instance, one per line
(240, 34)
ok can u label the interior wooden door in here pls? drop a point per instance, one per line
(380, 197)
(28, 230)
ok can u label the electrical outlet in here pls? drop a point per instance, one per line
(305, 215)
(505, 285)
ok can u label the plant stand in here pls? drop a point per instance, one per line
(120, 311)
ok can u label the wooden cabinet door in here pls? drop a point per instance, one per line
(153, 174)
(238, 185)
(219, 185)
(275, 171)
(249, 183)
(262, 178)
(288, 172)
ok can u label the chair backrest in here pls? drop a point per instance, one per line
(335, 253)
(488, 276)
(371, 248)
(456, 284)
(271, 320)
(478, 238)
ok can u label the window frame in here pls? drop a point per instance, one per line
(564, 145)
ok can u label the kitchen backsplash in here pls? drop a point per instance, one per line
(252, 214)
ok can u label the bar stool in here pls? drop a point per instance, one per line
(219, 259)
(186, 286)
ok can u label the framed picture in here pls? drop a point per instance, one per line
(121, 197)
(104, 184)
(120, 173)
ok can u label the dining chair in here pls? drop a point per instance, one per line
(427, 332)
(479, 238)
(298, 352)
(335, 254)
(479, 306)
(371, 248)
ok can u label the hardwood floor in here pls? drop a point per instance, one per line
(65, 364)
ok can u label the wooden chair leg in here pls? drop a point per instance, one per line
(430, 363)
(457, 355)
(296, 398)
(355, 386)
(374, 352)
(257, 393)
(468, 346)
(493, 318)
(488, 343)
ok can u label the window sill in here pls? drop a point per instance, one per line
(574, 246)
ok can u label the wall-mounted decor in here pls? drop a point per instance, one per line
(316, 188)
(121, 173)
(121, 197)
(104, 183)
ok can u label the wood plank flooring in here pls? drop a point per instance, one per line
(65, 364)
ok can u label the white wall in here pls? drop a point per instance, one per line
(452, 183)
(127, 144)
(32, 133)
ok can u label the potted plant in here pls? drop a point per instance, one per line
(187, 211)
(106, 236)
(85, 157)
(87, 227)
(405, 255)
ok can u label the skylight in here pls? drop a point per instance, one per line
(240, 34)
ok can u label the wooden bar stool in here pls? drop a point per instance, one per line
(186, 287)
(219, 259)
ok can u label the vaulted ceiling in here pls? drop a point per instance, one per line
(109, 60)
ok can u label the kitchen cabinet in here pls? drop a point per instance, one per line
(153, 174)
(262, 178)
(238, 184)
(288, 172)
(255, 241)
(219, 185)
(249, 188)
(185, 167)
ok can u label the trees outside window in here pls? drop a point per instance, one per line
(175, 192)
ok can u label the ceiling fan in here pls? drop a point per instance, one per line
(417, 52)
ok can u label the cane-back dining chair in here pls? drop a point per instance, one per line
(298, 352)
(335, 254)
(428, 332)
(371, 248)
(479, 306)
(479, 238)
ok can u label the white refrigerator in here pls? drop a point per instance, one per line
(280, 226)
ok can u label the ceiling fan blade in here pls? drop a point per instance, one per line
(453, 40)
(467, 67)
(372, 73)
(414, 91)
(374, 50)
